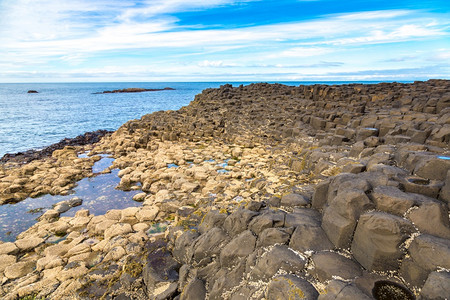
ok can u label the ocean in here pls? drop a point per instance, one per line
(66, 110)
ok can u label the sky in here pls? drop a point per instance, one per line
(223, 40)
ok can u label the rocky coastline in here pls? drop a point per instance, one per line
(263, 191)
(136, 90)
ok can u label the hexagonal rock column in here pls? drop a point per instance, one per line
(377, 240)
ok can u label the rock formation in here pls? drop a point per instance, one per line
(267, 191)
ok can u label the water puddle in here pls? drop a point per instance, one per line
(443, 157)
(98, 194)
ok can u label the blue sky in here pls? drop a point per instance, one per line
(223, 40)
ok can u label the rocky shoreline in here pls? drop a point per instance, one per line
(263, 191)
(136, 90)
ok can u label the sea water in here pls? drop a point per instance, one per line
(66, 110)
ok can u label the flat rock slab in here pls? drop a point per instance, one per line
(329, 264)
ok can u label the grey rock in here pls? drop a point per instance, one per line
(339, 218)
(430, 252)
(75, 201)
(320, 196)
(431, 217)
(238, 221)
(213, 218)
(267, 219)
(329, 264)
(437, 286)
(292, 200)
(432, 167)
(290, 287)
(272, 236)
(302, 216)
(194, 290)
(209, 244)
(280, 257)
(392, 200)
(225, 281)
(340, 290)
(306, 237)
(160, 271)
(183, 250)
(237, 248)
(377, 240)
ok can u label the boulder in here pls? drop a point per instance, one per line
(437, 286)
(238, 221)
(292, 200)
(392, 200)
(237, 248)
(209, 244)
(329, 264)
(290, 287)
(194, 290)
(307, 237)
(280, 257)
(377, 240)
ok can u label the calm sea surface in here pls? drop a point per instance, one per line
(60, 110)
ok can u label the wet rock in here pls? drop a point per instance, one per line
(377, 240)
(290, 287)
(160, 272)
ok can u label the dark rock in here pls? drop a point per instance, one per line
(293, 199)
(320, 196)
(32, 92)
(237, 248)
(290, 287)
(183, 250)
(437, 286)
(377, 240)
(307, 237)
(160, 272)
(329, 264)
(267, 219)
(445, 191)
(339, 218)
(433, 168)
(392, 200)
(272, 236)
(194, 290)
(238, 221)
(136, 90)
(213, 218)
(414, 184)
(280, 257)
(302, 216)
(430, 252)
(384, 290)
(431, 217)
(338, 289)
(209, 244)
(30, 155)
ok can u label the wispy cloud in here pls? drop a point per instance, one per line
(73, 34)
